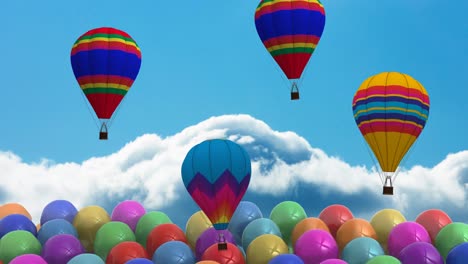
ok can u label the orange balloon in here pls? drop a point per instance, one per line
(13, 208)
(207, 262)
(305, 225)
(352, 229)
(38, 226)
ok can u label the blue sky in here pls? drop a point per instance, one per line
(204, 58)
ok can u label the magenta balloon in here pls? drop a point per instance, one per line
(61, 248)
(28, 259)
(334, 261)
(421, 253)
(315, 246)
(128, 212)
(405, 234)
(209, 237)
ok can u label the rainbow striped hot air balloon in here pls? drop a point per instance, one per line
(216, 173)
(106, 62)
(290, 30)
(391, 110)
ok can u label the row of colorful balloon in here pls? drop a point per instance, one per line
(288, 235)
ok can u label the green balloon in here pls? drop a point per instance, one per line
(109, 235)
(450, 236)
(383, 259)
(286, 215)
(147, 222)
(18, 243)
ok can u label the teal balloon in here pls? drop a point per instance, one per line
(361, 249)
(245, 213)
(257, 228)
(384, 259)
(86, 258)
(55, 227)
(174, 252)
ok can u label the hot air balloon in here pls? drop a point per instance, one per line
(216, 173)
(290, 30)
(106, 62)
(391, 110)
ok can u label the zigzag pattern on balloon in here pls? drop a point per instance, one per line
(219, 199)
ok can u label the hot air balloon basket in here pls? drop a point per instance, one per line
(103, 135)
(294, 95)
(388, 190)
(222, 246)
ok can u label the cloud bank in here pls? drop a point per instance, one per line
(148, 170)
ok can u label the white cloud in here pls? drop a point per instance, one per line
(149, 167)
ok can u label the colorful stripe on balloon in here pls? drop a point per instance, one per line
(218, 200)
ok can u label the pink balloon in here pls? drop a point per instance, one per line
(405, 234)
(315, 246)
(28, 259)
(334, 261)
(128, 212)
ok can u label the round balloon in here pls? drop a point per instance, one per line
(383, 222)
(334, 216)
(17, 243)
(334, 261)
(216, 173)
(245, 213)
(195, 226)
(420, 252)
(286, 259)
(264, 248)
(361, 250)
(352, 229)
(433, 221)
(147, 222)
(307, 224)
(384, 259)
(61, 248)
(458, 254)
(86, 258)
(207, 262)
(257, 228)
(109, 235)
(13, 208)
(405, 234)
(125, 251)
(28, 259)
(58, 209)
(176, 252)
(315, 246)
(450, 236)
(55, 227)
(231, 255)
(161, 234)
(87, 222)
(209, 237)
(128, 212)
(139, 261)
(286, 215)
(16, 222)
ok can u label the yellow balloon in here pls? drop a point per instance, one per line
(195, 226)
(87, 222)
(383, 222)
(265, 247)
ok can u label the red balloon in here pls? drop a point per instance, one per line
(334, 216)
(433, 221)
(125, 251)
(161, 234)
(230, 256)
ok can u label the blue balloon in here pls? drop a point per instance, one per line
(59, 209)
(55, 227)
(257, 228)
(245, 213)
(286, 259)
(458, 254)
(16, 222)
(139, 261)
(174, 252)
(361, 250)
(86, 258)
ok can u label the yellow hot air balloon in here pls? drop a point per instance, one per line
(391, 110)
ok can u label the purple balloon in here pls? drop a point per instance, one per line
(315, 246)
(209, 237)
(28, 259)
(334, 261)
(405, 234)
(61, 248)
(421, 253)
(128, 212)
